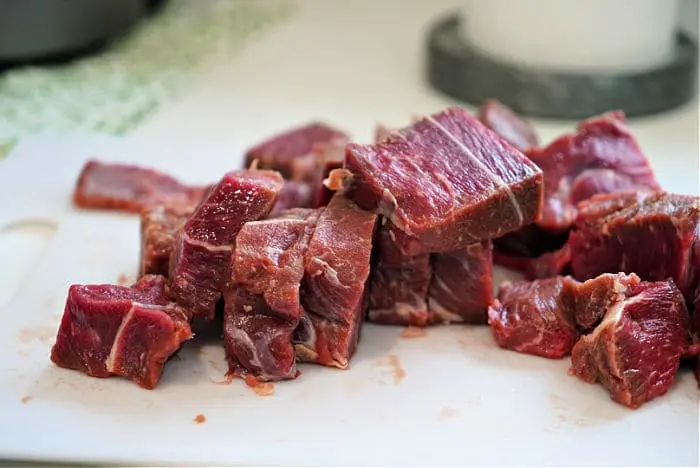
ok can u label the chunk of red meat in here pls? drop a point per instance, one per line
(291, 152)
(399, 284)
(535, 317)
(200, 260)
(159, 224)
(293, 195)
(116, 330)
(130, 188)
(462, 285)
(601, 157)
(262, 301)
(506, 123)
(335, 289)
(635, 350)
(447, 181)
(652, 235)
(544, 317)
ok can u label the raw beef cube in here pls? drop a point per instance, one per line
(335, 289)
(116, 330)
(399, 284)
(446, 180)
(262, 302)
(159, 224)
(291, 152)
(636, 349)
(535, 317)
(201, 257)
(462, 285)
(506, 123)
(293, 195)
(651, 235)
(130, 188)
(544, 317)
(601, 157)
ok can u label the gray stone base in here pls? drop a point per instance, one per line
(457, 70)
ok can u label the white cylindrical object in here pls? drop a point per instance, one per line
(573, 35)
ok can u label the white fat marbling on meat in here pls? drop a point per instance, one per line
(323, 268)
(388, 205)
(404, 309)
(446, 316)
(305, 353)
(258, 353)
(439, 283)
(206, 245)
(612, 317)
(109, 363)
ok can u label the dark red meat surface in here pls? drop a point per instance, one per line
(399, 285)
(601, 157)
(159, 224)
(292, 152)
(262, 301)
(652, 235)
(635, 350)
(506, 123)
(294, 195)
(116, 330)
(335, 289)
(130, 188)
(546, 265)
(200, 259)
(446, 180)
(462, 285)
(535, 317)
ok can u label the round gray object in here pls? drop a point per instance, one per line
(461, 72)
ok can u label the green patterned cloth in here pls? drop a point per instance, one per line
(114, 91)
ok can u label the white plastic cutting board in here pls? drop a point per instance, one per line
(451, 397)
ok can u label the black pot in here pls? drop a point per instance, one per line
(44, 29)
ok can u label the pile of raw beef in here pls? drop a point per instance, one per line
(319, 234)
